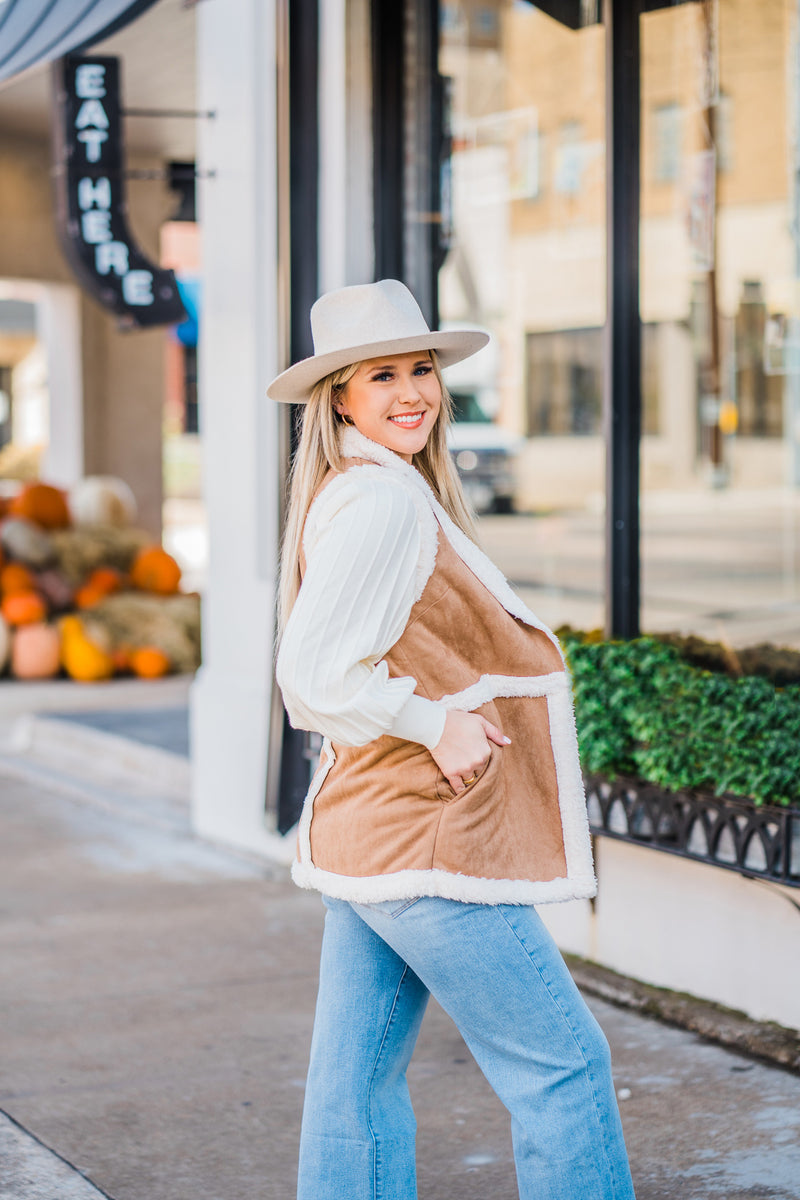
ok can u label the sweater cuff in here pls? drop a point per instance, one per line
(419, 720)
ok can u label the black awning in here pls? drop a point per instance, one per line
(576, 14)
(36, 31)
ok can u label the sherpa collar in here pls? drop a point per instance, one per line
(354, 444)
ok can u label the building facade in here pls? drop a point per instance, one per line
(465, 147)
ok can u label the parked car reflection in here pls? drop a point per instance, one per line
(484, 454)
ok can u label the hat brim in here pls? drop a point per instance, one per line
(294, 385)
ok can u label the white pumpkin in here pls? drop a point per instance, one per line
(26, 543)
(102, 500)
(5, 644)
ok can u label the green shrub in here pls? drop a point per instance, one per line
(643, 710)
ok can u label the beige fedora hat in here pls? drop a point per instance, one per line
(366, 321)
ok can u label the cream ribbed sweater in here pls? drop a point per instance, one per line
(362, 543)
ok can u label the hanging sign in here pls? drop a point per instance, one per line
(702, 208)
(90, 198)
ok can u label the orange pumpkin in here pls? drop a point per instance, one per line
(148, 662)
(44, 505)
(101, 583)
(154, 570)
(16, 578)
(23, 608)
(87, 597)
(105, 579)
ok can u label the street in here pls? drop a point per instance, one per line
(723, 565)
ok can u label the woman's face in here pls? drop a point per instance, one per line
(394, 400)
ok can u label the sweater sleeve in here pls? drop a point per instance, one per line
(353, 605)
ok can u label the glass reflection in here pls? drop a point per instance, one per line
(526, 260)
(720, 305)
(719, 285)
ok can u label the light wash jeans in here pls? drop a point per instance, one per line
(497, 972)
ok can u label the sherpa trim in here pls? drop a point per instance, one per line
(571, 795)
(489, 687)
(470, 889)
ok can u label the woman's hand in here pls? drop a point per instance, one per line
(465, 747)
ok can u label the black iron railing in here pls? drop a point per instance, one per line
(761, 842)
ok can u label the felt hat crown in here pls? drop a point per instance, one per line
(365, 321)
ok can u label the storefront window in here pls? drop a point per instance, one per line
(526, 260)
(719, 301)
(720, 289)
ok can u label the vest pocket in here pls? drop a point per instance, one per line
(445, 792)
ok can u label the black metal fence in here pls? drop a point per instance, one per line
(759, 842)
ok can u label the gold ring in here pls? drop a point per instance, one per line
(471, 779)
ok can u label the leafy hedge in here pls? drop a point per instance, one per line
(643, 710)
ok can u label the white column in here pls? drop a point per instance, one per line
(238, 355)
(58, 316)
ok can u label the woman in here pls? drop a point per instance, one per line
(448, 800)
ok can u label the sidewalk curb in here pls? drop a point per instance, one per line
(33, 1171)
(75, 743)
(764, 1040)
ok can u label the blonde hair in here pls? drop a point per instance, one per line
(318, 453)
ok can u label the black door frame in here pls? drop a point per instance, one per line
(298, 748)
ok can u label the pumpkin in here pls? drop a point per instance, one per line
(148, 662)
(69, 626)
(105, 580)
(14, 577)
(82, 657)
(46, 506)
(35, 652)
(102, 500)
(23, 608)
(102, 582)
(5, 643)
(87, 597)
(25, 542)
(154, 570)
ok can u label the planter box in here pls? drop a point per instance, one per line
(728, 831)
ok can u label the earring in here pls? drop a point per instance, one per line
(346, 420)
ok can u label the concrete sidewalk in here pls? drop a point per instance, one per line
(156, 1000)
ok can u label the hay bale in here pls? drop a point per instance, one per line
(172, 623)
(79, 551)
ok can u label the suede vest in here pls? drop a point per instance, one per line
(382, 822)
